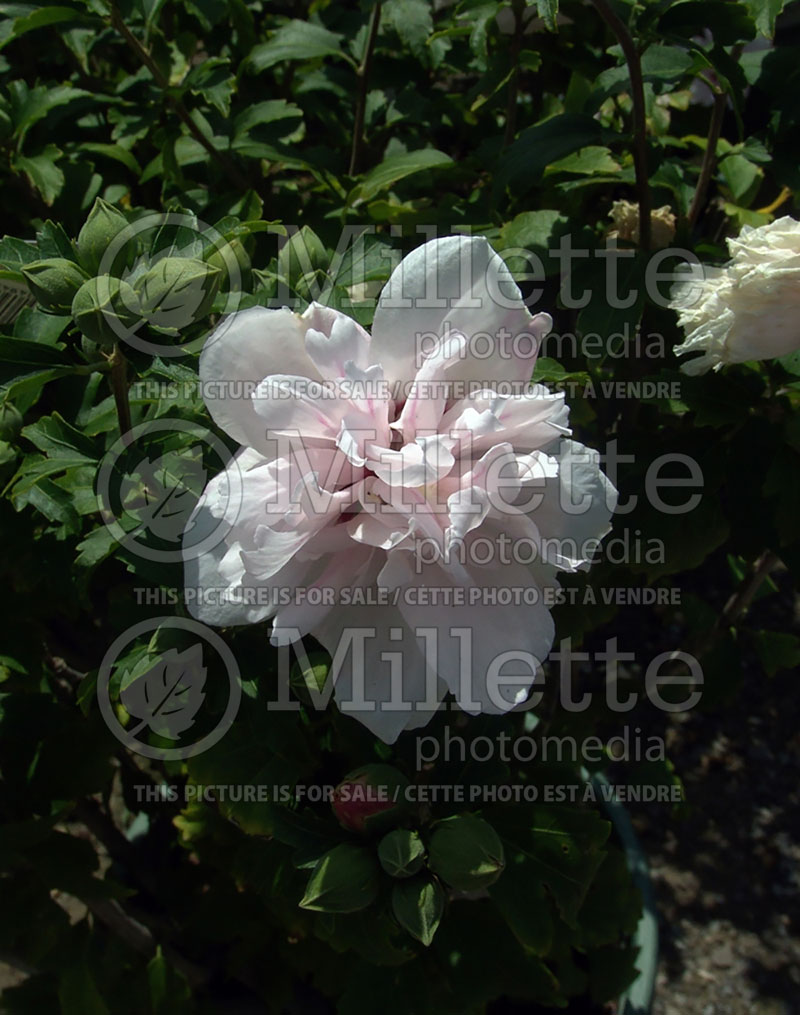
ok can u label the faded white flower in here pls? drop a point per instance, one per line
(389, 483)
(750, 308)
(625, 216)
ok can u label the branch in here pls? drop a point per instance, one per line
(625, 40)
(709, 156)
(141, 939)
(740, 601)
(88, 813)
(61, 668)
(363, 85)
(513, 84)
(134, 932)
(10, 959)
(119, 386)
(225, 164)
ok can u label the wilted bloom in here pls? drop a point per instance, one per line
(750, 308)
(625, 217)
(407, 496)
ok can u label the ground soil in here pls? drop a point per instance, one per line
(727, 876)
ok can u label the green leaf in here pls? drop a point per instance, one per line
(94, 549)
(536, 231)
(466, 852)
(401, 853)
(495, 79)
(66, 449)
(59, 439)
(765, 13)
(51, 501)
(270, 111)
(78, 993)
(11, 14)
(367, 259)
(418, 906)
(411, 19)
(45, 17)
(539, 146)
(28, 366)
(42, 171)
(296, 40)
(586, 161)
(214, 80)
(29, 105)
(742, 177)
(777, 650)
(685, 547)
(521, 898)
(485, 961)
(343, 881)
(396, 168)
(562, 847)
(664, 63)
(169, 991)
(112, 151)
(34, 469)
(728, 22)
(611, 970)
(600, 316)
(548, 12)
(613, 905)
(80, 41)
(791, 363)
(53, 241)
(15, 253)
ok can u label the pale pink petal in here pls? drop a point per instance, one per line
(456, 284)
(242, 350)
(333, 340)
(289, 405)
(481, 641)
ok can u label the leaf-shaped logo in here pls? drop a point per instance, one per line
(167, 697)
(161, 493)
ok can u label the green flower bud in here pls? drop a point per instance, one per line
(10, 421)
(54, 282)
(309, 681)
(302, 255)
(233, 262)
(105, 309)
(466, 852)
(401, 853)
(104, 223)
(371, 799)
(177, 291)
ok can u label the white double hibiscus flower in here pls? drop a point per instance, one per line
(397, 487)
(748, 309)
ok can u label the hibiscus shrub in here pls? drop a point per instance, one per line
(177, 174)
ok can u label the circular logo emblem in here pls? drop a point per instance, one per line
(173, 693)
(149, 484)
